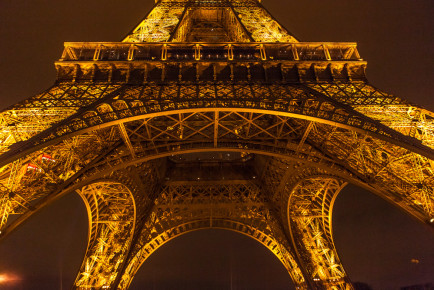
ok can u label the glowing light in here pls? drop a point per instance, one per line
(7, 278)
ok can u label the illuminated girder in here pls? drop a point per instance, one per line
(158, 25)
(37, 175)
(36, 114)
(260, 24)
(305, 196)
(391, 111)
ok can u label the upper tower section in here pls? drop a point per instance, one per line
(209, 21)
(209, 41)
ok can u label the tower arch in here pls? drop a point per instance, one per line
(386, 167)
(235, 205)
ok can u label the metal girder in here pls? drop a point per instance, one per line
(391, 111)
(135, 102)
(259, 23)
(404, 177)
(158, 24)
(32, 116)
(49, 171)
(126, 139)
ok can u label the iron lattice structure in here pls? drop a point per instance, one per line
(210, 114)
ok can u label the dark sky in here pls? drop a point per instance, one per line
(376, 242)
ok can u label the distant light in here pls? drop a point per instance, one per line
(431, 220)
(414, 261)
(7, 278)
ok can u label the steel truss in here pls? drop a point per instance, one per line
(236, 205)
(213, 78)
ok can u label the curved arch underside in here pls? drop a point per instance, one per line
(301, 144)
(236, 205)
(120, 132)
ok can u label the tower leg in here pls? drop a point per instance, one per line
(309, 214)
(112, 216)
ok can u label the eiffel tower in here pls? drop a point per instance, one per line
(210, 114)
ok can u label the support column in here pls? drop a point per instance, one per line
(111, 211)
(309, 214)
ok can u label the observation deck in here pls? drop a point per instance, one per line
(136, 63)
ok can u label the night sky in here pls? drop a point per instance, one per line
(376, 242)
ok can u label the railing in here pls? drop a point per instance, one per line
(170, 51)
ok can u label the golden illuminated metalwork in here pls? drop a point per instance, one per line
(211, 114)
(236, 205)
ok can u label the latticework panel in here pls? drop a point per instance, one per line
(22, 121)
(291, 101)
(395, 113)
(117, 207)
(259, 23)
(159, 24)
